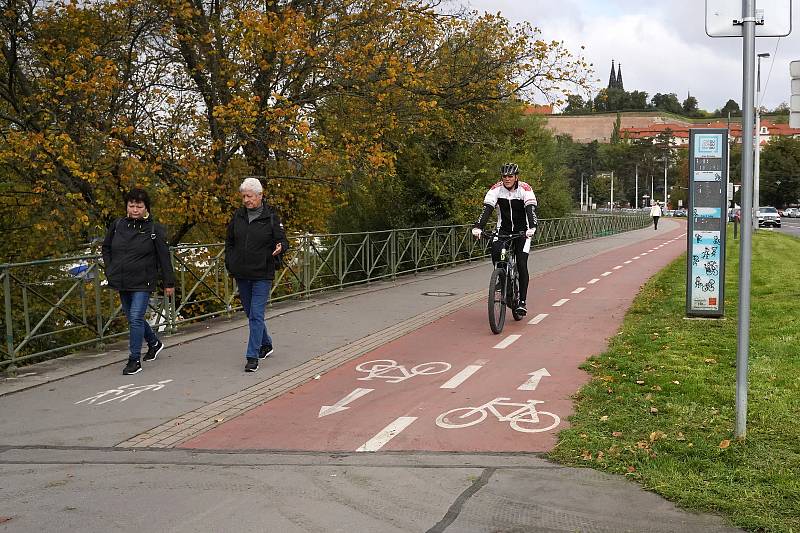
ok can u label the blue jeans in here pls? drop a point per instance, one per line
(134, 303)
(255, 295)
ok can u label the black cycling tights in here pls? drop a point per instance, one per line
(522, 264)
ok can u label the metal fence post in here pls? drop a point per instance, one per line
(307, 265)
(12, 368)
(98, 306)
(393, 253)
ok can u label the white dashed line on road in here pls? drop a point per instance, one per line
(461, 377)
(508, 341)
(579, 290)
(538, 318)
(386, 434)
(606, 274)
(617, 267)
(561, 302)
(593, 281)
(628, 262)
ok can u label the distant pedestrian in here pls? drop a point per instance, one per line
(655, 212)
(254, 239)
(136, 255)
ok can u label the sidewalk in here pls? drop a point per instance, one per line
(64, 469)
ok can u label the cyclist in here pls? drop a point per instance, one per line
(516, 204)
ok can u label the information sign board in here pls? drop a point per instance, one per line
(705, 267)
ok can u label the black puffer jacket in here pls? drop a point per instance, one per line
(136, 255)
(249, 245)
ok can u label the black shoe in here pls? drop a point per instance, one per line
(252, 364)
(522, 310)
(265, 351)
(133, 367)
(153, 351)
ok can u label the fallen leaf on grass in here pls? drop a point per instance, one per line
(711, 361)
(680, 437)
(724, 444)
(616, 434)
(676, 382)
(639, 382)
(653, 411)
(631, 470)
(603, 418)
(655, 435)
(586, 455)
(656, 388)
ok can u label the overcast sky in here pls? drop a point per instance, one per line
(662, 45)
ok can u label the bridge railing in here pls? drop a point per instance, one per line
(55, 306)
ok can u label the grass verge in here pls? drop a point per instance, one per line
(660, 408)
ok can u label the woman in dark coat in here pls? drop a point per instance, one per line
(136, 255)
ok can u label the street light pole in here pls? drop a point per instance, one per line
(757, 157)
(581, 191)
(636, 197)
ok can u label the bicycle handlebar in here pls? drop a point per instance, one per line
(506, 236)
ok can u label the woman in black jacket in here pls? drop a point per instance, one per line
(136, 255)
(255, 237)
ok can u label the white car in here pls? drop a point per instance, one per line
(768, 216)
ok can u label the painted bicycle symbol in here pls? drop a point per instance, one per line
(525, 419)
(124, 392)
(393, 373)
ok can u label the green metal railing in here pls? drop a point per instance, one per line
(49, 307)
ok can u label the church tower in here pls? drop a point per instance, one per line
(612, 78)
(619, 77)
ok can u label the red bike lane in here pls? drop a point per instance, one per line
(453, 385)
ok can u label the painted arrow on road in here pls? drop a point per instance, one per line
(534, 379)
(326, 410)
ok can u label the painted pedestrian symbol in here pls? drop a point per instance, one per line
(526, 419)
(393, 373)
(123, 393)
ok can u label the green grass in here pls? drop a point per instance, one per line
(660, 408)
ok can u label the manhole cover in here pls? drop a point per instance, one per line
(439, 293)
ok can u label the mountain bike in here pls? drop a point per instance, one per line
(504, 283)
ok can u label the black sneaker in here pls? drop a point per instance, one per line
(265, 351)
(252, 364)
(522, 310)
(133, 367)
(153, 351)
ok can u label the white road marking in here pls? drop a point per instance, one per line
(638, 257)
(538, 318)
(534, 379)
(561, 302)
(628, 262)
(645, 253)
(592, 281)
(617, 267)
(579, 290)
(341, 405)
(386, 434)
(604, 274)
(508, 341)
(461, 377)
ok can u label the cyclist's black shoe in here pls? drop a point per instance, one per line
(153, 351)
(133, 367)
(522, 310)
(252, 364)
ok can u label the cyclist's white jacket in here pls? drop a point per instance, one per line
(516, 209)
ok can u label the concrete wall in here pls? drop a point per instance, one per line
(588, 128)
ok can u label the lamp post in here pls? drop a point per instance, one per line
(666, 162)
(757, 155)
(581, 191)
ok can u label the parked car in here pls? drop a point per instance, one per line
(768, 216)
(791, 212)
(680, 212)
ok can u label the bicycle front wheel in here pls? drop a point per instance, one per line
(497, 300)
